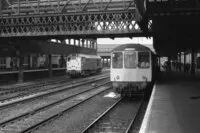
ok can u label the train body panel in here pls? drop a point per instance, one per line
(131, 68)
(131, 75)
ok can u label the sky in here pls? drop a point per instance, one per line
(141, 40)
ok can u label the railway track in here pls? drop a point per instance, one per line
(119, 118)
(37, 83)
(36, 86)
(33, 120)
(53, 91)
(44, 89)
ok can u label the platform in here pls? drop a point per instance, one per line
(174, 106)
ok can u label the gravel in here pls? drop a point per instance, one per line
(76, 120)
(30, 106)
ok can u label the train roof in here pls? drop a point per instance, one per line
(137, 47)
(87, 56)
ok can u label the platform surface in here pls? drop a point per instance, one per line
(174, 106)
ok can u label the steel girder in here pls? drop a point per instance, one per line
(88, 23)
(24, 7)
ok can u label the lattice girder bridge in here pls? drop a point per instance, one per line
(98, 18)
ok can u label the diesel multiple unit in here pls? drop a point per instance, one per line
(132, 68)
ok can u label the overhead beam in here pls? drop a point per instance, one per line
(130, 3)
(13, 9)
(31, 6)
(86, 5)
(65, 5)
(58, 6)
(52, 6)
(107, 5)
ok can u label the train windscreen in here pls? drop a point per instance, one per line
(143, 60)
(117, 60)
(130, 59)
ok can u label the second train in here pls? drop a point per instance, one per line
(83, 65)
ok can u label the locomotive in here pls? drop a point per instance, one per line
(83, 65)
(132, 69)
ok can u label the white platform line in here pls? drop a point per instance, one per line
(144, 126)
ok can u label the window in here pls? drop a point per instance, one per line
(143, 60)
(117, 60)
(130, 59)
(73, 57)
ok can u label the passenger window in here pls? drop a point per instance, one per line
(130, 59)
(117, 60)
(143, 60)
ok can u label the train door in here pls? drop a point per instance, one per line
(144, 72)
(116, 70)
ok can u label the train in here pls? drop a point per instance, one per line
(79, 65)
(133, 68)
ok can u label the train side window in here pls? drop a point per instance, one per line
(143, 60)
(130, 59)
(117, 60)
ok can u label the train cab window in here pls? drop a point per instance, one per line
(130, 59)
(117, 60)
(73, 57)
(143, 60)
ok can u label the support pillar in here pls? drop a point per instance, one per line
(74, 42)
(192, 62)
(69, 41)
(177, 62)
(62, 61)
(63, 41)
(180, 66)
(83, 45)
(184, 62)
(20, 72)
(159, 64)
(87, 44)
(38, 60)
(92, 45)
(95, 45)
(29, 61)
(106, 62)
(169, 60)
(103, 62)
(79, 43)
(50, 65)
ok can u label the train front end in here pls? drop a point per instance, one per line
(130, 71)
(74, 65)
